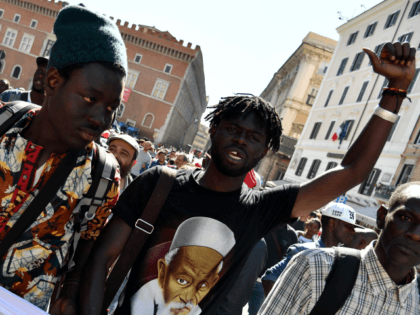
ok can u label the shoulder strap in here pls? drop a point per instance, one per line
(340, 281)
(38, 204)
(143, 228)
(24, 96)
(14, 111)
(85, 210)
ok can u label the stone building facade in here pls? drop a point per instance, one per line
(349, 93)
(202, 138)
(292, 91)
(165, 90)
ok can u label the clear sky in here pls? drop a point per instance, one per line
(243, 42)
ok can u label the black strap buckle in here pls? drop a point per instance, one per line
(144, 226)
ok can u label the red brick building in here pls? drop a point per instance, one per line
(166, 95)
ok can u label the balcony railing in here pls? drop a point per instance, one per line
(384, 191)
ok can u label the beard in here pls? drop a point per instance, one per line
(124, 169)
(229, 170)
(36, 89)
(170, 308)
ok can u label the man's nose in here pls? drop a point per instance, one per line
(240, 138)
(188, 295)
(97, 117)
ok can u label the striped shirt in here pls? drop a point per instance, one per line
(374, 293)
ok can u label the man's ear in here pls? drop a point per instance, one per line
(161, 271)
(264, 153)
(53, 80)
(212, 131)
(380, 217)
(134, 163)
(332, 224)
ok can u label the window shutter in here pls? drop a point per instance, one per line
(301, 166)
(327, 136)
(388, 21)
(372, 30)
(393, 129)
(342, 66)
(349, 126)
(373, 182)
(395, 17)
(410, 87)
(343, 96)
(362, 91)
(413, 9)
(367, 32)
(328, 98)
(359, 60)
(410, 35)
(317, 130)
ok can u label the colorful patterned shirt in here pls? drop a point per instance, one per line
(31, 266)
(374, 293)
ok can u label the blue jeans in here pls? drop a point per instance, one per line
(257, 299)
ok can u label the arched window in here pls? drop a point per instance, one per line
(2, 66)
(120, 110)
(16, 72)
(148, 120)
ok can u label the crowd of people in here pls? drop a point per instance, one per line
(198, 240)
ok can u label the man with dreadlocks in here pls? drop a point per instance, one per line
(242, 129)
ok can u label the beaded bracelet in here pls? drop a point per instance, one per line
(395, 92)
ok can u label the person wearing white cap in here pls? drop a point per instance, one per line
(338, 223)
(189, 270)
(125, 149)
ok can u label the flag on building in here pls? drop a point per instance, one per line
(344, 132)
(337, 133)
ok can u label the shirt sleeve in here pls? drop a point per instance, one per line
(292, 291)
(95, 225)
(275, 207)
(273, 273)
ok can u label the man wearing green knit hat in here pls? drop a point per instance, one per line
(84, 84)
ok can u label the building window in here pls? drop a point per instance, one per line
(417, 140)
(16, 19)
(1, 13)
(378, 50)
(301, 166)
(415, 9)
(405, 38)
(47, 50)
(410, 87)
(168, 68)
(384, 85)
(352, 38)
(131, 79)
(328, 98)
(331, 165)
(2, 66)
(392, 19)
(325, 70)
(349, 124)
(26, 43)
(330, 128)
(358, 59)
(160, 88)
(367, 186)
(370, 30)
(315, 130)
(138, 58)
(279, 175)
(16, 72)
(314, 169)
(391, 133)
(130, 123)
(342, 66)
(343, 96)
(120, 110)
(34, 23)
(10, 37)
(362, 91)
(405, 174)
(148, 120)
(311, 97)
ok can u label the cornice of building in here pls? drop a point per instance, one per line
(47, 8)
(369, 14)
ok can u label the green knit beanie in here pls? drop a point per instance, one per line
(86, 36)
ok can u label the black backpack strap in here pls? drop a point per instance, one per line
(12, 113)
(24, 96)
(41, 200)
(340, 281)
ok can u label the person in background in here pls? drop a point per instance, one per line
(171, 155)
(125, 149)
(36, 95)
(4, 85)
(143, 160)
(363, 238)
(312, 227)
(338, 221)
(181, 161)
(160, 159)
(299, 225)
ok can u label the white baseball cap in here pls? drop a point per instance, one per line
(342, 212)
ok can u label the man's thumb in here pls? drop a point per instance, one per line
(374, 60)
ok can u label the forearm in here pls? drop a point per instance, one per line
(363, 154)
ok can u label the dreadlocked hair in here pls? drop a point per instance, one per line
(232, 106)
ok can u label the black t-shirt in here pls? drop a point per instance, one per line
(215, 220)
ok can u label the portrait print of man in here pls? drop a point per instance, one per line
(189, 270)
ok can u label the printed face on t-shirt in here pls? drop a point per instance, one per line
(189, 276)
